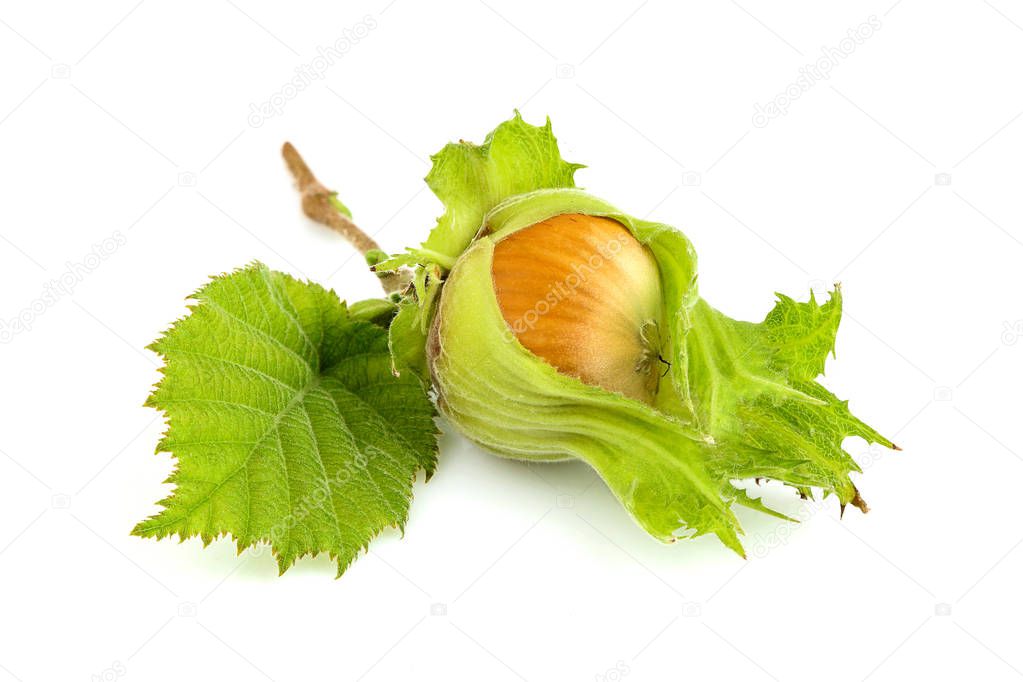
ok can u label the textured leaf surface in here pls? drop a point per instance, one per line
(287, 422)
(755, 392)
(470, 179)
(407, 339)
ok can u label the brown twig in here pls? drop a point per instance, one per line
(316, 204)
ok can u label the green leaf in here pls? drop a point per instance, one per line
(470, 179)
(286, 421)
(407, 340)
(799, 336)
(754, 389)
(379, 311)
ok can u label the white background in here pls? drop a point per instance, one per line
(135, 119)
